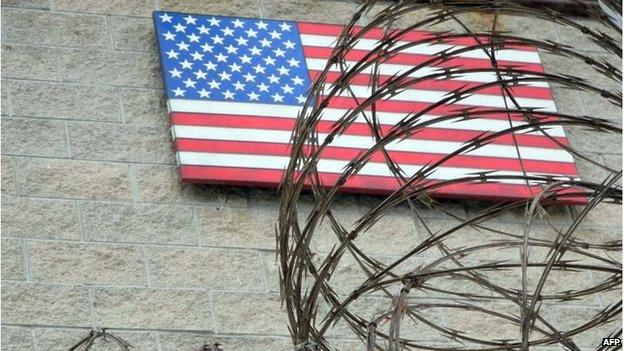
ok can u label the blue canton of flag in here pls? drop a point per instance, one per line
(231, 59)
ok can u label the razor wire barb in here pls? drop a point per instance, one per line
(314, 305)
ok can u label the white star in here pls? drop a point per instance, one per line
(277, 97)
(169, 35)
(228, 94)
(197, 56)
(178, 92)
(293, 63)
(227, 31)
(203, 29)
(182, 45)
(175, 73)
(165, 18)
(287, 89)
(301, 99)
(283, 71)
(242, 41)
(190, 19)
(289, 44)
(261, 25)
(204, 93)
(297, 80)
(249, 77)
(189, 83)
(255, 51)
(207, 47)
(239, 86)
(251, 33)
(210, 66)
(172, 54)
(285, 27)
(253, 96)
(238, 23)
(221, 58)
(179, 27)
(245, 59)
(214, 22)
(217, 39)
(258, 68)
(273, 78)
(275, 35)
(264, 42)
(186, 64)
(263, 87)
(279, 52)
(224, 75)
(269, 60)
(234, 67)
(200, 74)
(214, 84)
(193, 38)
(231, 49)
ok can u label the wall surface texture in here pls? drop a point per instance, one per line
(98, 232)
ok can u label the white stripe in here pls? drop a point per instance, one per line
(366, 142)
(433, 96)
(334, 114)
(389, 69)
(424, 49)
(328, 165)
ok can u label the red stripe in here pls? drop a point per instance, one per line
(430, 133)
(411, 107)
(416, 59)
(444, 85)
(361, 184)
(377, 33)
(400, 157)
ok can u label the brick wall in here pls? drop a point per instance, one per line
(98, 232)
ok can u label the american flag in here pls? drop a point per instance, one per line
(235, 86)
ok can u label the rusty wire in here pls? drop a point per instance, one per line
(307, 276)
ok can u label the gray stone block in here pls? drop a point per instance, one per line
(153, 309)
(8, 176)
(115, 142)
(12, 259)
(65, 101)
(16, 339)
(30, 62)
(161, 184)
(138, 223)
(5, 99)
(35, 4)
(143, 106)
(184, 341)
(75, 263)
(204, 268)
(569, 318)
(53, 305)
(133, 33)
(46, 28)
(114, 7)
(250, 313)
(34, 137)
(584, 140)
(63, 339)
(74, 179)
(111, 67)
(217, 7)
(237, 227)
(316, 11)
(39, 218)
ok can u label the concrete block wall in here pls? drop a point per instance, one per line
(97, 231)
